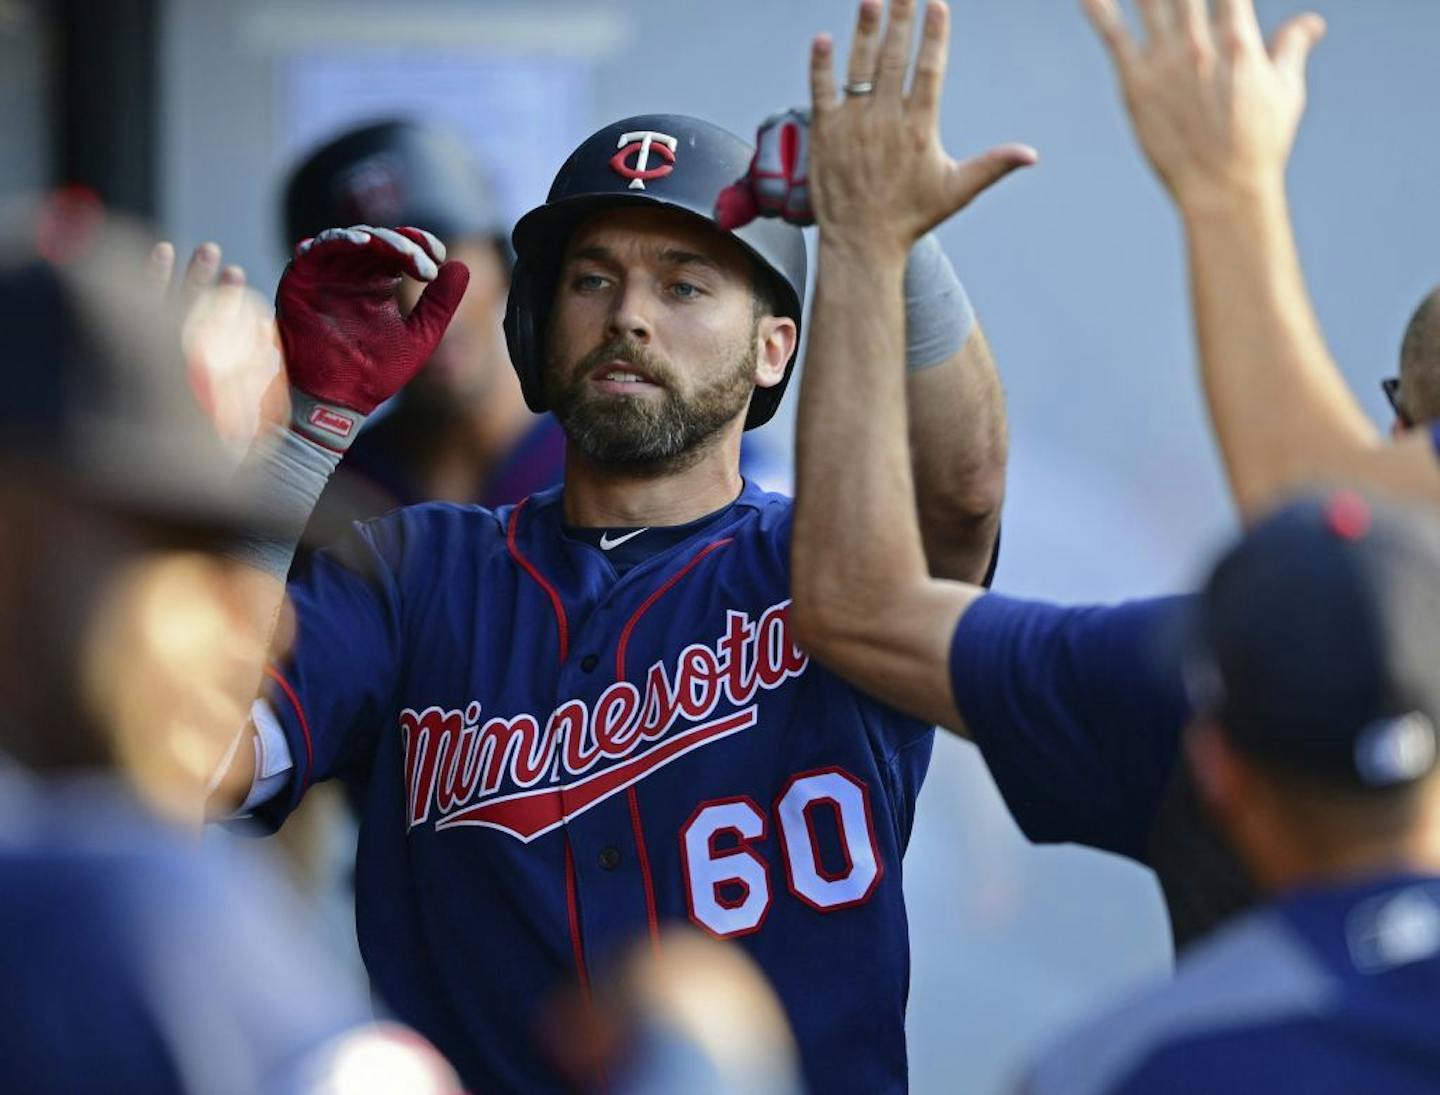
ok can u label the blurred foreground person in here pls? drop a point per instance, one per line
(460, 431)
(133, 960)
(1313, 659)
(687, 1013)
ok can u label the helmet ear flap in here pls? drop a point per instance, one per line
(527, 315)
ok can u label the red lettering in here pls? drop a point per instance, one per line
(659, 711)
(426, 736)
(510, 745)
(698, 682)
(580, 754)
(732, 647)
(616, 726)
(457, 777)
(450, 758)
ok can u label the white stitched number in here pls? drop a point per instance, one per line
(727, 881)
(729, 887)
(809, 880)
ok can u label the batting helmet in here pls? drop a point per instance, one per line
(389, 173)
(666, 160)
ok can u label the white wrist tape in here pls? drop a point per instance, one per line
(286, 472)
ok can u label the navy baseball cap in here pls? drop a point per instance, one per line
(1314, 642)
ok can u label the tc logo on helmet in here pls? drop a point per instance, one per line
(640, 144)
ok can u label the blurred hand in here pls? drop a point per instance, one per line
(203, 272)
(347, 346)
(1215, 109)
(231, 347)
(878, 172)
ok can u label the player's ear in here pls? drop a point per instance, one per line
(775, 341)
(1219, 774)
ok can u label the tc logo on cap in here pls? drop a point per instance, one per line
(372, 191)
(640, 144)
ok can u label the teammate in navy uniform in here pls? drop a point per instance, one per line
(584, 715)
(1315, 748)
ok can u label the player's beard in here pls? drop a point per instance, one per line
(641, 435)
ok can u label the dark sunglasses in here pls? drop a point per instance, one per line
(1391, 387)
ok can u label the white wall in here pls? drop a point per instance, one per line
(24, 109)
(1076, 269)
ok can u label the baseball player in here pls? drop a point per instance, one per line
(134, 959)
(1315, 748)
(1216, 111)
(584, 715)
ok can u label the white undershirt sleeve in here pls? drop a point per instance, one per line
(273, 761)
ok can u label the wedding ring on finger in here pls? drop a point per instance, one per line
(855, 88)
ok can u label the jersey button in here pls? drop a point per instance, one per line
(589, 662)
(609, 858)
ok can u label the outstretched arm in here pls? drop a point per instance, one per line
(864, 601)
(1216, 111)
(347, 349)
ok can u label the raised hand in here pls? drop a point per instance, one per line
(347, 346)
(878, 169)
(228, 336)
(1214, 107)
(202, 273)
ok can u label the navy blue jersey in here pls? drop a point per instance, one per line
(556, 759)
(136, 961)
(1327, 990)
(1078, 713)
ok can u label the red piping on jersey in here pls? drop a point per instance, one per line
(572, 907)
(274, 675)
(651, 916)
(650, 601)
(530, 569)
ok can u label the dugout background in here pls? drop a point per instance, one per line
(1075, 268)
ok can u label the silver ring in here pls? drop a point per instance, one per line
(858, 88)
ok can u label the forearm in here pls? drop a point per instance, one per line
(863, 600)
(854, 531)
(288, 472)
(958, 446)
(1282, 412)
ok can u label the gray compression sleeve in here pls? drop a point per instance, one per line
(938, 315)
(287, 472)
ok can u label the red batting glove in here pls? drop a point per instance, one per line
(347, 347)
(777, 183)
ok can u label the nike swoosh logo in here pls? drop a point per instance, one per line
(606, 543)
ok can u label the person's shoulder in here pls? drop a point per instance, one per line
(765, 512)
(437, 529)
(1255, 973)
